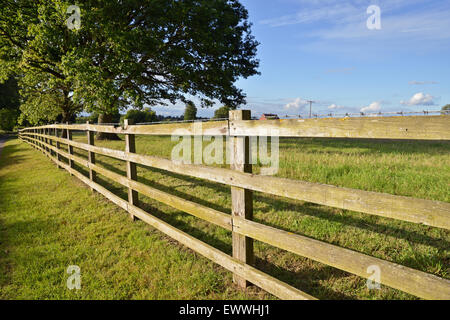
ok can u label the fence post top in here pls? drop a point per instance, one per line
(127, 122)
(240, 114)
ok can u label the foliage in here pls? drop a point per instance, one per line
(9, 104)
(33, 41)
(140, 116)
(222, 113)
(157, 51)
(190, 112)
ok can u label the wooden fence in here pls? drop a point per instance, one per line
(432, 213)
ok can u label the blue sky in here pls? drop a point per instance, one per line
(322, 50)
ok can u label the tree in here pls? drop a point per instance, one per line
(33, 41)
(9, 104)
(446, 109)
(128, 53)
(222, 113)
(141, 116)
(156, 51)
(190, 112)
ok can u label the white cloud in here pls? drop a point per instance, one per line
(335, 106)
(419, 99)
(422, 82)
(341, 27)
(297, 104)
(373, 107)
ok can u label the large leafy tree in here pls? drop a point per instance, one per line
(34, 39)
(190, 112)
(150, 52)
(129, 53)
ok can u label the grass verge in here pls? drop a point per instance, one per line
(49, 221)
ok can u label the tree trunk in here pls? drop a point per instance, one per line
(102, 119)
(65, 120)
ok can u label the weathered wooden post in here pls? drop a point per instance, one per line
(58, 146)
(46, 133)
(69, 147)
(130, 146)
(41, 131)
(37, 137)
(242, 199)
(91, 157)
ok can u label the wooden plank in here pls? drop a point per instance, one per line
(411, 127)
(412, 281)
(241, 199)
(264, 281)
(408, 127)
(209, 128)
(130, 147)
(427, 212)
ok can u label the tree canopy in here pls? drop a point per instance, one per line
(141, 116)
(190, 113)
(9, 104)
(127, 53)
(33, 41)
(222, 113)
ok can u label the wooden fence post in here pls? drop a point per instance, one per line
(90, 138)
(69, 147)
(130, 146)
(242, 199)
(41, 131)
(58, 146)
(46, 133)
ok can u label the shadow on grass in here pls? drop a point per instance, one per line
(10, 154)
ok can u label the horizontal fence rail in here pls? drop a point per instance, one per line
(432, 213)
(411, 127)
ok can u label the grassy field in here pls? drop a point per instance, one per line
(129, 260)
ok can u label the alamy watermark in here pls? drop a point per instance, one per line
(263, 149)
(74, 21)
(374, 21)
(74, 280)
(374, 280)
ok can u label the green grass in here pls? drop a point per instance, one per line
(417, 169)
(49, 220)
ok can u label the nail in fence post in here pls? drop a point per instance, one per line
(130, 146)
(90, 137)
(69, 147)
(242, 199)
